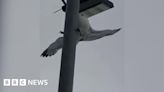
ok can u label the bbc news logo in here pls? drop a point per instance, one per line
(24, 82)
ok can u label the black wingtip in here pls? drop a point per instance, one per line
(109, 3)
(116, 30)
(44, 54)
(119, 28)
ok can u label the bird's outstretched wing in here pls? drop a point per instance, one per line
(94, 35)
(53, 48)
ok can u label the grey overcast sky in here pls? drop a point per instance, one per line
(129, 61)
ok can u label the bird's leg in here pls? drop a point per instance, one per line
(64, 2)
(64, 7)
(78, 33)
(61, 32)
(77, 30)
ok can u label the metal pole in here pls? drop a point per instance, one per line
(69, 48)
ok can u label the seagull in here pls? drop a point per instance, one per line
(87, 33)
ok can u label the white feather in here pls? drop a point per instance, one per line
(86, 34)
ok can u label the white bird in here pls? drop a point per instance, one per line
(87, 33)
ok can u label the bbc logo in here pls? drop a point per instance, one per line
(14, 82)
